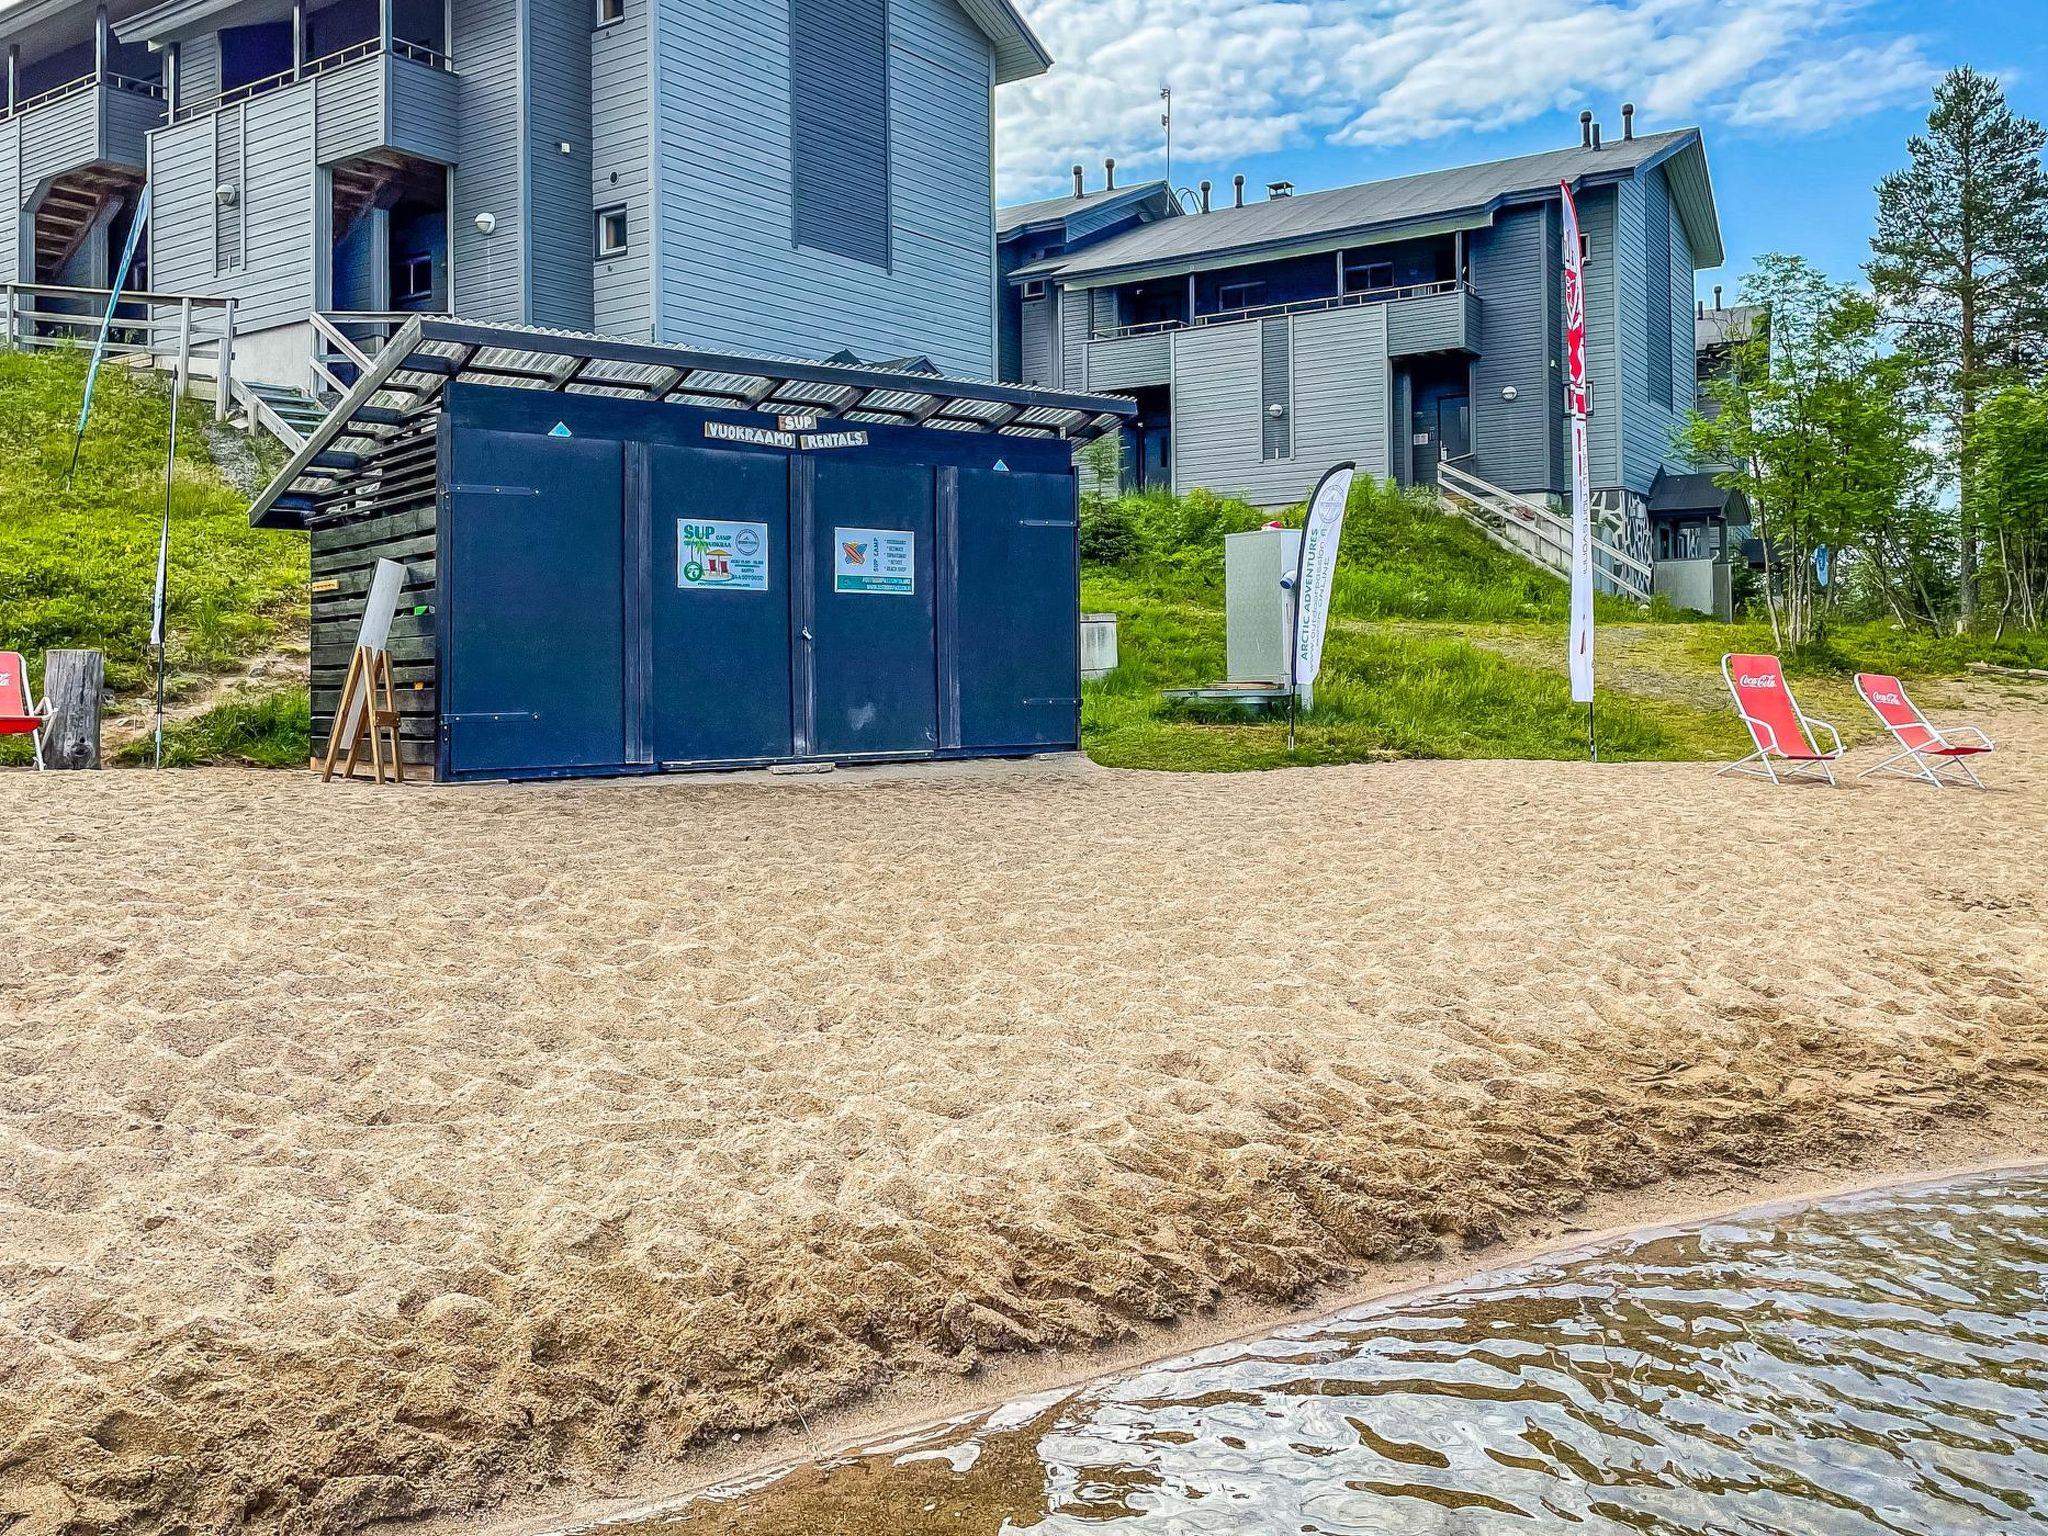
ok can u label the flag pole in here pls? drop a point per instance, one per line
(158, 628)
(1579, 638)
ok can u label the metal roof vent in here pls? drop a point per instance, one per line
(1585, 130)
(1080, 185)
(1279, 189)
(1628, 121)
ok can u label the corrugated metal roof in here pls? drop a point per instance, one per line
(1057, 210)
(404, 384)
(1470, 191)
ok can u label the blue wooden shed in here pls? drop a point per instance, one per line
(624, 558)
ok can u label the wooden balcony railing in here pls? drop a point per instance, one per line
(1294, 307)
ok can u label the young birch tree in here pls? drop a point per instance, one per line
(1959, 264)
(2012, 485)
(1815, 427)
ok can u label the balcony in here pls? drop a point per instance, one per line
(96, 119)
(373, 95)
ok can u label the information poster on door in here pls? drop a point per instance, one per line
(732, 557)
(874, 560)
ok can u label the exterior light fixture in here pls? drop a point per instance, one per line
(486, 222)
(1509, 392)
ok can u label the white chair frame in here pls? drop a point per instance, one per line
(1926, 769)
(1792, 771)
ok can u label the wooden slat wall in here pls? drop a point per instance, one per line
(393, 516)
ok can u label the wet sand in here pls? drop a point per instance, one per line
(372, 1153)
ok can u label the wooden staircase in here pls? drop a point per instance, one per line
(69, 210)
(1536, 533)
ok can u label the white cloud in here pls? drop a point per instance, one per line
(1251, 77)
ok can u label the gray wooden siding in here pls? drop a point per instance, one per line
(490, 271)
(60, 137)
(1276, 389)
(561, 236)
(423, 111)
(1076, 304)
(129, 118)
(1340, 388)
(198, 70)
(1514, 441)
(1040, 343)
(1597, 217)
(348, 110)
(621, 170)
(1130, 362)
(730, 274)
(11, 194)
(1438, 322)
(277, 209)
(1647, 424)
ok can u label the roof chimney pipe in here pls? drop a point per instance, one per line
(1237, 182)
(1109, 174)
(1585, 130)
(1080, 183)
(1205, 197)
(1596, 135)
(1717, 295)
(1628, 121)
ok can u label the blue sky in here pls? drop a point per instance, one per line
(1805, 103)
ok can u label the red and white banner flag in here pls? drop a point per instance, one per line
(1580, 655)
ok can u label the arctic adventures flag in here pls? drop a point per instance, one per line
(1315, 574)
(1580, 656)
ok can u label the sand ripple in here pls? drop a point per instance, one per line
(365, 1153)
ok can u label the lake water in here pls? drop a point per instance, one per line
(1877, 1363)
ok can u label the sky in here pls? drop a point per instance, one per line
(1804, 103)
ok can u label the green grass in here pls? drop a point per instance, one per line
(78, 562)
(273, 730)
(1441, 645)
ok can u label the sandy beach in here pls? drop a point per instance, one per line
(375, 1153)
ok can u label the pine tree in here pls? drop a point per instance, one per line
(1960, 264)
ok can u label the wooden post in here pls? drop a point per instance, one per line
(100, 40)
(74, 683)
(226, 368)
(13, 75)
(184, 347)
(298, 38)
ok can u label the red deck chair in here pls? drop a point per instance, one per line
(20, 715)
(1928, 749)
(1786, 747)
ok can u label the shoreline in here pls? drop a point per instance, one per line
(2009, 1139)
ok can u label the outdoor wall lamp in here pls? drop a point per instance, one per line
(1508, 392)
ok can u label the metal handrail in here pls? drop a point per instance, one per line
(55, 93)
(1547, 527)
(1292, 307)
(162, 336)
(327, 63)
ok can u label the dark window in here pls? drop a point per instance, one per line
(1239, 295)
(416, 277)
(839, 126)
(1363, 275)
(1276, 389)
(1035, 290)
(1657, 330)
(611, 232)
(609, 11)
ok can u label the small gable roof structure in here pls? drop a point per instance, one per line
(1089, 210)
(1465, 197)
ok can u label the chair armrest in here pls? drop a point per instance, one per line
(1765, 726)
(1811, 721)
(1945, 732)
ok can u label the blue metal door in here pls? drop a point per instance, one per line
(720, 653)
(533, 602)
(871, 643)
(1016, 646)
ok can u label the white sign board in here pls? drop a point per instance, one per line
(379, 608)
(731, 557)
(874, 560)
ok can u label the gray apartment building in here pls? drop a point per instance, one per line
(793, 177)
(1402, 324)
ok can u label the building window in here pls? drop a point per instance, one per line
(416, 277)
(610, 11)
(839, 128)
(1363, 275)
(611, 232)
(1035, 290)
(1239, 295)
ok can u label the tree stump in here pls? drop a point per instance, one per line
(74, 682)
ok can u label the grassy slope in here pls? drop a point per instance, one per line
(1441, 645)
(78, 563)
